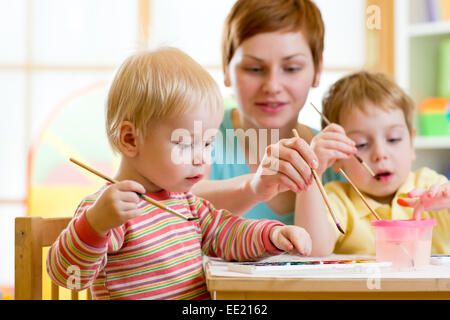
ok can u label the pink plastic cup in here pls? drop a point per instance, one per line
(405, 243)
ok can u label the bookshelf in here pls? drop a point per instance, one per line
(417, 39)
(434, 28)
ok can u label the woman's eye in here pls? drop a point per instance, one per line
(292, 69)
(254, 69)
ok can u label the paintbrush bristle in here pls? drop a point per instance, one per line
(339, 228)
(367, 167)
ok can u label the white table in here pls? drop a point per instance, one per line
(430, 282)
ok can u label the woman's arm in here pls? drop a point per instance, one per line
(233, 194)
(285, 166)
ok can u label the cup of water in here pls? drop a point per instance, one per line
(405, 243)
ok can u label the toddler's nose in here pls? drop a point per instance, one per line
(379, 152)
(198, 157)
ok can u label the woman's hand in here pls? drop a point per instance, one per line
(332, 144)
(285, 166)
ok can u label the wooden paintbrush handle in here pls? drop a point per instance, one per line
(98, 173)
(322, 191)
(324, 194)
(355, 155)
(359, 193)
(142, 196)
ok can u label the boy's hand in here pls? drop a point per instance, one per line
(117, 204)
(285, 166)
(332, 144)
(436, 198)
(292, 239)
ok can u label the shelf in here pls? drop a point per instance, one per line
(432, 142)
(429, 29)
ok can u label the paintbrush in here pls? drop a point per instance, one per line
(142, 196)
(323, 193)
(359, 194)
(355, 155)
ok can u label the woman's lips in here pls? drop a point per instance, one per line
(271, 107)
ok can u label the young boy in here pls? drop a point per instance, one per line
(163, 110)
(377, 116)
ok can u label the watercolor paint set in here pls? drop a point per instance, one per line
(440, 259)
(357, 265)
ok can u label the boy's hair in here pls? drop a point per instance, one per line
(154, 85)
(360, 88)
(250, 17)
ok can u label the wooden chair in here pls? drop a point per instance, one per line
(32, 234)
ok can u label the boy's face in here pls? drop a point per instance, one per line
(271, 74)
(176, 151)
(385, 144)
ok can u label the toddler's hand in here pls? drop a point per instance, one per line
(285, 166)
(292, 239)
(117, 204)
(436, 198)
(332, 144)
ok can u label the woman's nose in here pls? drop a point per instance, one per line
(272, 84)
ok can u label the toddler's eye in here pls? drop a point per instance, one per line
(394, 140)
(361, 145)
(183, 144)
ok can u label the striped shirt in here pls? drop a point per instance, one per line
(156, 255)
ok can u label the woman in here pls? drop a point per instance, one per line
(272, 56)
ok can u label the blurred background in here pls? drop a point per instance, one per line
(58, 57)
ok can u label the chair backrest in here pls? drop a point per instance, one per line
(32, 234)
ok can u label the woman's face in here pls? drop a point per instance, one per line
(271, 74)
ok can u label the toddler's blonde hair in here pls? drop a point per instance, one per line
(154, 85)
(360, 88)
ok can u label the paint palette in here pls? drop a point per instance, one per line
(440, 260)
(354, 265)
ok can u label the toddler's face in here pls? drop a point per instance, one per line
(271, 74)
(176, 151)
(385, 144)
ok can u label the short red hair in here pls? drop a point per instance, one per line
(251, 17)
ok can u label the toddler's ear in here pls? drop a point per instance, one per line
(128, 139)
(413, 135)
